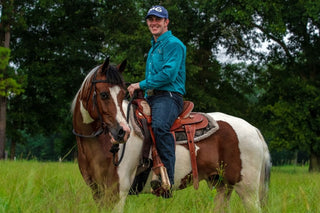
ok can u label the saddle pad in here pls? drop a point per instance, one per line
(212, 127)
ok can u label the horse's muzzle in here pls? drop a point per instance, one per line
(120, 134)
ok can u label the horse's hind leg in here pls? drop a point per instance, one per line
(221, 200)
(249, 195)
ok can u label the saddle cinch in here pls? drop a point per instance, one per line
(187, 122)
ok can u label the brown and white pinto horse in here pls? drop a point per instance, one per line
(235, 157)
(98, 123)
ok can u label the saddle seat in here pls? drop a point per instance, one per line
(187, 117)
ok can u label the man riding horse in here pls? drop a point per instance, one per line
(164, 84)
(229, 154)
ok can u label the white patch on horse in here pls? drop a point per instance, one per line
(196, 149)
(85, 115)
(183, 164)
(114, 91)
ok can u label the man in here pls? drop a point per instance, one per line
(164, 83)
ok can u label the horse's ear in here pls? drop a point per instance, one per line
(105, 65)
(122, 66)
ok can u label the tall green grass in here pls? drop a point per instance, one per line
(30, 186)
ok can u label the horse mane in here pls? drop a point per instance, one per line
(113, 76)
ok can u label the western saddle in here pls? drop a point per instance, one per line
(187, 122)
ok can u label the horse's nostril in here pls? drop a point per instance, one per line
(121, 133)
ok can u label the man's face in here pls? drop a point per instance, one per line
(157, 25)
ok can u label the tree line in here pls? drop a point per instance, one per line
(48, 47)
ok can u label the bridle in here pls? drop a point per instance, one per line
(103, 126)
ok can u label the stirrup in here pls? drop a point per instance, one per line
(160, 174)
(155, 184)
(158, 190)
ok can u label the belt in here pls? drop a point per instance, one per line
(161, 92)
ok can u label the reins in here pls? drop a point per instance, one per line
(93, 135)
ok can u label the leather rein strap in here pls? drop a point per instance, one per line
(191, 131)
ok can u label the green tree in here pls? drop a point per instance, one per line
(55, 48)
(9, 87)
(60, 42)
(294, 90)
(289, 106)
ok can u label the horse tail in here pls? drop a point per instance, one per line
(265, 172)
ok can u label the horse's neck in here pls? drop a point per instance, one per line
(133, 145)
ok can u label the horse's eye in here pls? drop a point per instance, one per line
(104, 95)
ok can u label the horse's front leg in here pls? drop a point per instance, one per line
(127, 169)
(119, 208)
(125, 184)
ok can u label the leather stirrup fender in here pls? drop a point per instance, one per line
(190, 130)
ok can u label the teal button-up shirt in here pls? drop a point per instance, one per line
(165, 68)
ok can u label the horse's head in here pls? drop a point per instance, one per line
(101, 98)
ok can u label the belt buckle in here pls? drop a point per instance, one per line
(150, 92)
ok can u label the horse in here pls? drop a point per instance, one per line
(235, 157)
(99, 124)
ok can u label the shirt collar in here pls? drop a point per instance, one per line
(162, 37)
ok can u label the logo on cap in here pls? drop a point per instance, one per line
(158, 9)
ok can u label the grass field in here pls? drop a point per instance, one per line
(30, 186)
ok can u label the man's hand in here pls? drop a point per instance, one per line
(132, 88)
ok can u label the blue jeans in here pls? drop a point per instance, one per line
(165, 109)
